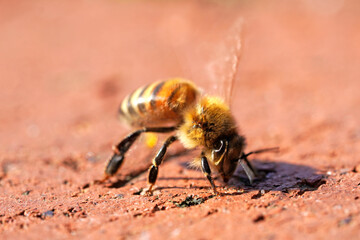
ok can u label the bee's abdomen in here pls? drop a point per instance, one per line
(158, 102)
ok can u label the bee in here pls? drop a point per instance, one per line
(196, 120)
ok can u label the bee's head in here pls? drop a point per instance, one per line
(225, 154)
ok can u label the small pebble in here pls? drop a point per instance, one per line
(49, 213)
(119, 196)
(345, 221)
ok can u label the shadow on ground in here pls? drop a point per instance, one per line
(279, 176)
(273, 176)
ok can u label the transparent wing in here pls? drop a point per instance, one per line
(210, 55)
(223, 69)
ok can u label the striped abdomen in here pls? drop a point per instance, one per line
(158, 103)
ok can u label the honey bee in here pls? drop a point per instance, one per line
(196, 120)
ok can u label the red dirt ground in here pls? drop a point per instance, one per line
(65, 66)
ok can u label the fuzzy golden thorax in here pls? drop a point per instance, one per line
(205, 123)
(210, 124)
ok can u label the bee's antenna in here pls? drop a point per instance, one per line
(274, 149)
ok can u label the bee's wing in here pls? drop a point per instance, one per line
(223, 69)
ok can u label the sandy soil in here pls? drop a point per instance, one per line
(65, 66)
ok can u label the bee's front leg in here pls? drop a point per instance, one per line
(248, 168)
(207, 172)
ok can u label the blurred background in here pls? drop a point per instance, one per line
(66, 65)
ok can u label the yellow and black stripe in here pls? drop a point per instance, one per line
(158, 102)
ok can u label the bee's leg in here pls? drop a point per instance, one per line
(121, 148)
(153, 170)
(207, 171)
(248, 168)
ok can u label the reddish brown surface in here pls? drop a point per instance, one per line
(65, 66)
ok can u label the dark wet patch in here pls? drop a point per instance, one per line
(190, 201)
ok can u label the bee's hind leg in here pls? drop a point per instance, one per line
(154, 169)
(121, 148)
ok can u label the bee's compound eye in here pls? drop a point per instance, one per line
(218, 153)
(221, 147)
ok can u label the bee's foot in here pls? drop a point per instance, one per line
(101, 181)
(216, 193)
(146, 192)
(114, 164)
